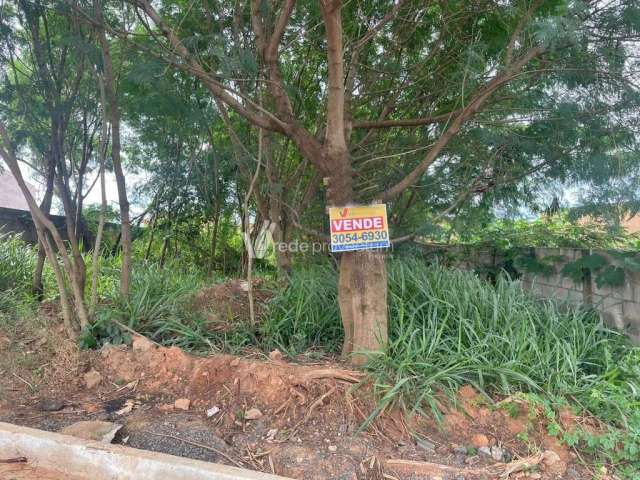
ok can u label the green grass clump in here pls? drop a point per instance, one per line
(158, 306)
(304, 315)
(450, 328)
(17, 264)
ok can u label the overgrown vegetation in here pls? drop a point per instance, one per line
(557, 230)
(448, 328)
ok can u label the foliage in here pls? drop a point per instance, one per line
(304, 315)
(17, 263)
(157, 306)
(513, 240)
(449, 328)
(553, 231)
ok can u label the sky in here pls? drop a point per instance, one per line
(94, 196)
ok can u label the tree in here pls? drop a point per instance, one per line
(398, 92)
(114, 117)
(49, 112)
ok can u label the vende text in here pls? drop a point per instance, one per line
(354, 224)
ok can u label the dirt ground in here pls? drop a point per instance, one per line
(225, 304)
(267, 413)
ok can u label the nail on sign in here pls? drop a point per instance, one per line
(359, 228)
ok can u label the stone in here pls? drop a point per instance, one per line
(276, 356)
(252, 414)
(141, 344)
(92, 379)
(426, 445)
(484, 451)
(182, 404)
(480, 440)
(50, 405)
(93, 430)
(332, 448)
(497, 453)
(553, 463)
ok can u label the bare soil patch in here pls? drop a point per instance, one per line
(226, 304)
(268, 414)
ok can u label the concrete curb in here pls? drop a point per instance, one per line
(100, 461)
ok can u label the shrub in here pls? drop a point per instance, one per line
(305, 314)
(449, 328)
(17, 263)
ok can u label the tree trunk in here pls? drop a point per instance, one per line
(362, 295)
(214, 241)
(44, 226)
(362, 284)
(104, 132)
(147, 254)
(37, 287)
(165, 245)
(125, 221)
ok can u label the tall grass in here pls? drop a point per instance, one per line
(305, 314)
(450, 328)
(17, 263)
(158, 306)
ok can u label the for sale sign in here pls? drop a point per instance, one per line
(359, 228)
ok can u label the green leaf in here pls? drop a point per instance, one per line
(611, 275)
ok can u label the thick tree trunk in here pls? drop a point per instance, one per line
(362, 296)
(362, 286)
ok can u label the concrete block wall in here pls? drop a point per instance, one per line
(619, 306)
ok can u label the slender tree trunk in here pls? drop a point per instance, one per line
(214, 241)
(45, 206)
(45, 227)
(70, 215)
(125, 221)
(103, 197)
(151, 235)
(165, 246)
(247, 234)
(279, 234)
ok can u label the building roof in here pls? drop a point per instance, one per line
(10, 194)
(632, 224)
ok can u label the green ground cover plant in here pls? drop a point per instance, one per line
(447, 328)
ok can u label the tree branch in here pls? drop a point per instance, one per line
(467, 112)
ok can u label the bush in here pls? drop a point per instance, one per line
(17, 264)
(449, 328)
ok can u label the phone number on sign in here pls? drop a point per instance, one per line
(359, 237)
